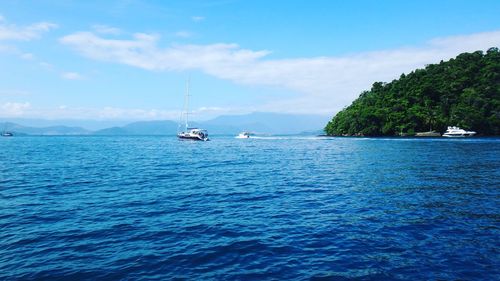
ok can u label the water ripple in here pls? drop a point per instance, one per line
(153, 208)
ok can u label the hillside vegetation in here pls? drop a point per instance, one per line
(464, 91)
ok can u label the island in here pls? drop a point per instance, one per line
(464, 92)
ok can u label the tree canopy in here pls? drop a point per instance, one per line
(464, 92)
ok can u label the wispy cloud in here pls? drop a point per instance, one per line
(183, 34)
(12, 32)
(104, 29)
(46, 65)
(13, 93)
(197, 18)
(23, 33)
(72, 76)
(142, 51)
(14, 109)
(324, 84)
(28, 56)
(8, 49)
(26, 110)
(134, 113)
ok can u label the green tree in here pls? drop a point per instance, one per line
(463, 91)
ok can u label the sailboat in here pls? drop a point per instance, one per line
(6, 133)
(190, 133)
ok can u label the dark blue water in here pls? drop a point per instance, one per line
(154, 208)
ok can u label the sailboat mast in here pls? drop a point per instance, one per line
(186, 102)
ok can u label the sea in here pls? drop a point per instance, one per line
(270, 208)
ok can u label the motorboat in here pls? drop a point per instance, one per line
(190, 133)
(244, 135)
(455, 132)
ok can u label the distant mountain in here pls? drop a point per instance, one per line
(90, 125)
(265, 122)
(51, 130)
(113, 131)
(258, 122)
(142, 128)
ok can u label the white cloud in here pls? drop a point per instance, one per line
(8, 49)
(104, 29)
(197, 18)
(136, 113)
(26, 110)
(183, 34)
(72, 76)
(13, 93)
(324, 84)
(46, 65)
(11, 109)
(142, 51)
(110, 112)
(24, 33)
(104, 113)
(28, 56)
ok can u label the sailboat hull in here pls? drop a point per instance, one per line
(190, 138)
(196, 135)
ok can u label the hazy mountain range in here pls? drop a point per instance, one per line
(258, 122)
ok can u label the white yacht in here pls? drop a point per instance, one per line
(190, 133)
(244, 135)
(457, 132)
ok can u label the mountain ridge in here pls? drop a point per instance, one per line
(258, 122)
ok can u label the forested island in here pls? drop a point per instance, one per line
(464, 91)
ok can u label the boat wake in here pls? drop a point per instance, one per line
(288, 138)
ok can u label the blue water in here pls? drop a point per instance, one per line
(155, 208)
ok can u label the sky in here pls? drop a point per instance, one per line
(130, 59)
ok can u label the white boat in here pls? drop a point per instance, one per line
(6, 133)
(194, 134)
(455, 132)
(190, 133)
(244, 135)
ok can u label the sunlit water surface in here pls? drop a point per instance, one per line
(286, 208)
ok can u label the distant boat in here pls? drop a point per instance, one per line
(190, 133)
(6, 133)
(428, 134)
(244, 135)
(455, 132)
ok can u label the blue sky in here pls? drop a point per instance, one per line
(130, 59)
